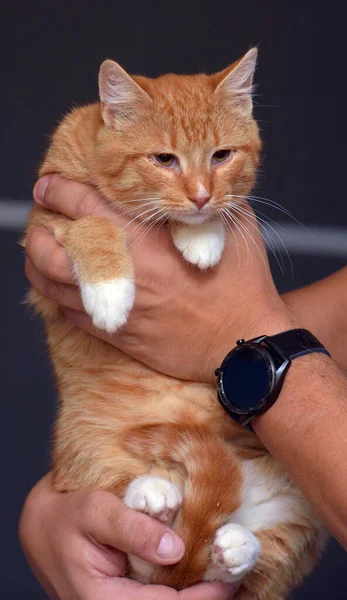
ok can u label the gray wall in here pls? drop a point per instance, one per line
(50, 54)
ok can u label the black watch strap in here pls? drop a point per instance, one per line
(294, 343)
(284, 347)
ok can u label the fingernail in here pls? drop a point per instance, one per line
(40, 188)
(170, 546)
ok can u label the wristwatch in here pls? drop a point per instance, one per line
(251, 375)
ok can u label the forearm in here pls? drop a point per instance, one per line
(306, 432)
(322, 308)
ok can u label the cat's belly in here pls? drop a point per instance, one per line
(103, 393)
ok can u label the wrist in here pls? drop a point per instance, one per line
(269, 321)
(305, 372)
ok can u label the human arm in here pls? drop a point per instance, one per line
(322, 308)
(75, 545)
(306, 432)
(236, 299)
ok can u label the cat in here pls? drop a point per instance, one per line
(167, 149)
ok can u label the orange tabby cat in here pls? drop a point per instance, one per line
(168, 149)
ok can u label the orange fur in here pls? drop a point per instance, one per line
(182, 431)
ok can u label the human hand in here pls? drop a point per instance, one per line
(184, 321)
(75, 544)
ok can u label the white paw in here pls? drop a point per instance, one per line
(235, 550)
(155, 496)
(201, 245)
(108, 302)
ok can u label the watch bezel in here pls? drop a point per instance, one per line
(272, 372)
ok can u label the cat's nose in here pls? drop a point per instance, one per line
(200, 199)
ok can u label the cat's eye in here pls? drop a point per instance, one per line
(166, 160)
(221, 156)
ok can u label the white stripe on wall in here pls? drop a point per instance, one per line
(316, 240)
(14, 214)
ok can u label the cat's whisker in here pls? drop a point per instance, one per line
(163, 221)
(138, 217)
(245, 228)
(235, 224)
(139, 203)
(234, 221)
(111, 204)
(133, 210)
(266, 225)
(130, 210)
(151, 225)
(271, 204)
(96, 208)
(231, 231)
(265, 234)
(157, 216)
(267, 201)
(148, 218)
(263, 230)
(140, 200)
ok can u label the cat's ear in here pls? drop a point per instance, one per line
(236, 81)
(122, 99)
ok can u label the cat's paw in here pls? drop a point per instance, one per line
(234, 552)
(155, 496)
(201, 245)
(109, 302)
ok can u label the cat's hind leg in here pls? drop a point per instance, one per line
(235, 551)
(154, 495)
(288, 533)
(159, 498)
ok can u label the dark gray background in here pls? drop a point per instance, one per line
(49, 58)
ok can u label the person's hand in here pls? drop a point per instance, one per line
(75, 544)
(184, 321)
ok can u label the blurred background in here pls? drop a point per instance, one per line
(49, 60)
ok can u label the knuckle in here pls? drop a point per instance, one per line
(140, 534)
(85, 202)
(55, 182)
(52, 289)
(30, 243)
(55, 263)
(94, 506)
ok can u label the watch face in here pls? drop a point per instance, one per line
(247, 377)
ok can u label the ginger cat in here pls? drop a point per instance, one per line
(173, 148)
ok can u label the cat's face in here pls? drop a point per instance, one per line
(177, 147)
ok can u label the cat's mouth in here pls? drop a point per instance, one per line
(192, 217)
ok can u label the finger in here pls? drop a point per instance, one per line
(210, 591)
(66, 295)
(124, 589)
(48, 256)
(67, 197)
(131, 590)
(106, 518)
(75, 200)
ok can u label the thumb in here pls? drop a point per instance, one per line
(106, 518)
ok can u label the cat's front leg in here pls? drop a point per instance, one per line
(201, 245)
(104, 270)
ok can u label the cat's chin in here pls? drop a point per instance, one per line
(191, 218)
